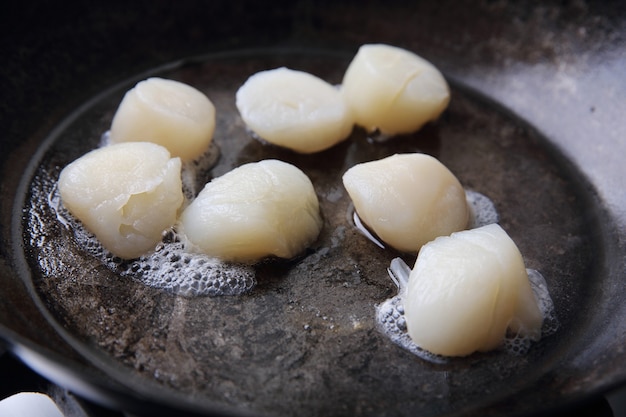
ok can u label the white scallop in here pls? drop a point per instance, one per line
(466, 290)
(169, 113)
(393, 90)
(260, 209)
(294, 109)
(125, 194)
(407, 199)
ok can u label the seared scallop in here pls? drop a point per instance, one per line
(166, 112)
(467, 290)
(393, 90)
(125, 194)
(294, 109)
(260, 209)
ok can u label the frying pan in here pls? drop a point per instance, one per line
(535, 123)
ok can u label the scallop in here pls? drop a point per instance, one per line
(466, 290)
(393, 90)
(294, 109)
(125, 194)
(407, 200)
(258, 210)
(166, 112)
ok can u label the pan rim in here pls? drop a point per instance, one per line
(16, 225)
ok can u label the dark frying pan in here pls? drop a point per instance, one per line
(536, 123)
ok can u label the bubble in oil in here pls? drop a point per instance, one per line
(482, 209)
(391, 321)
(378, 137)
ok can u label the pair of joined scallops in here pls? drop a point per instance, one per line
(128, 194)
(385, 88)
(468, 288)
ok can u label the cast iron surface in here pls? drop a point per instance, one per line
(556, 178)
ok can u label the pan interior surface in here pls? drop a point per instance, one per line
(304, 341)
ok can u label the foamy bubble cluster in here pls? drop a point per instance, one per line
(482, 209)
(546, 305)
(390, 320)
(170, 267)
(173, 269)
